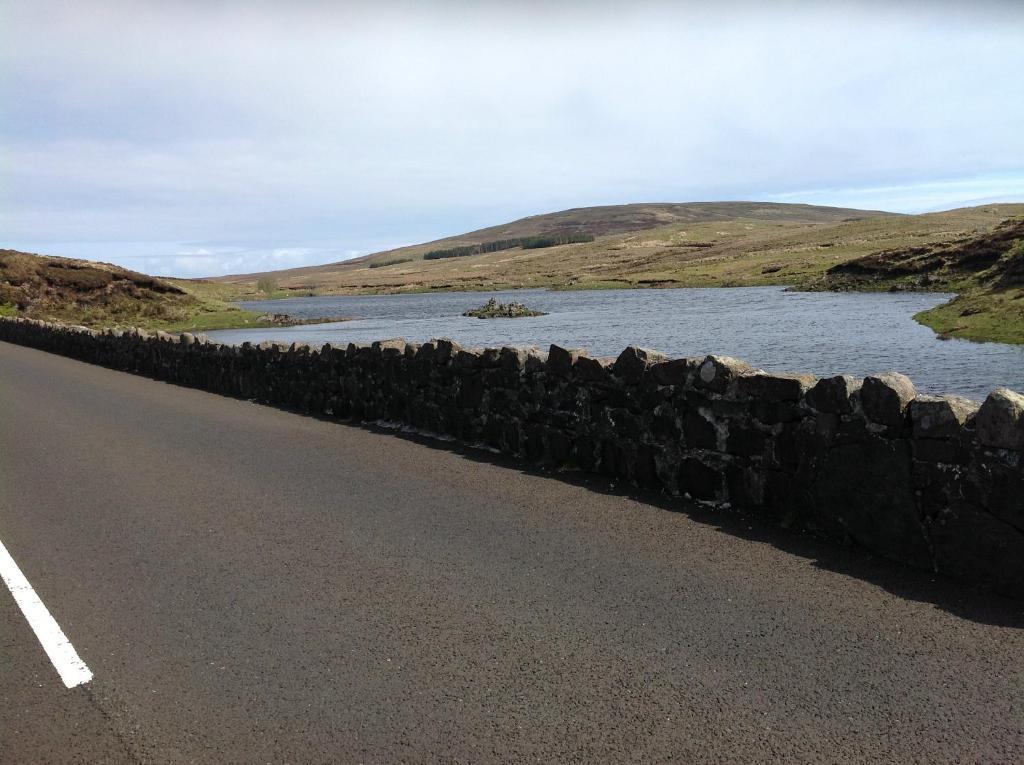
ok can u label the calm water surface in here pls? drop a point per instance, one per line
(820, 332)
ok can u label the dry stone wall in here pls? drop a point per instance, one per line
(936, 482)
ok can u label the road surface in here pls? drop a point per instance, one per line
(251, 585)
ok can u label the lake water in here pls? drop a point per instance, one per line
(820, 332)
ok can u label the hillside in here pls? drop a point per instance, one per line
(104, 295)
(973, 251)
(985, 267)
(617, 228)
(720, 244)
(989, 259)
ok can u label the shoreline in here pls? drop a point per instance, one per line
(934, 319)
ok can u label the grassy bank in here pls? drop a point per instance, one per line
(981, 316)
(985, 268)
(102, 295)
(211, 310)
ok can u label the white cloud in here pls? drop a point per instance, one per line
(916, 197)
(277, 126)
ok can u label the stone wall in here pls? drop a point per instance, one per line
(936, 482)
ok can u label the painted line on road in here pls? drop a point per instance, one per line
(69, 665)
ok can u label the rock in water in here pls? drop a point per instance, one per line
(492, 309)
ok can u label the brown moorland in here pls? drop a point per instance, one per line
(104, 295)
(704, 244)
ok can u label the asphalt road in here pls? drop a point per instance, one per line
(251, 585)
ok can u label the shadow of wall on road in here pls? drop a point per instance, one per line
(846, 557)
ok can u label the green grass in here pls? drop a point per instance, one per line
(231, 293)
(600, 284)
(8, 309)
(980, 315)
(985, 268)
(228, 318)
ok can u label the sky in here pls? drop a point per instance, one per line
(204, 137)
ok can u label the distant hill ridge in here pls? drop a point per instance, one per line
(594, 221)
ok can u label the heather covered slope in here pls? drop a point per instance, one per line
(103, 295)
(992, 258)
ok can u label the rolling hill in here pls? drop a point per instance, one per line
(686, 226)
(700, 244)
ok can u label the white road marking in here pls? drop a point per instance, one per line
(69, 665)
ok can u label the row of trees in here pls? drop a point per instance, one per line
(527, 243)
(390, 262)
(552, 240)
